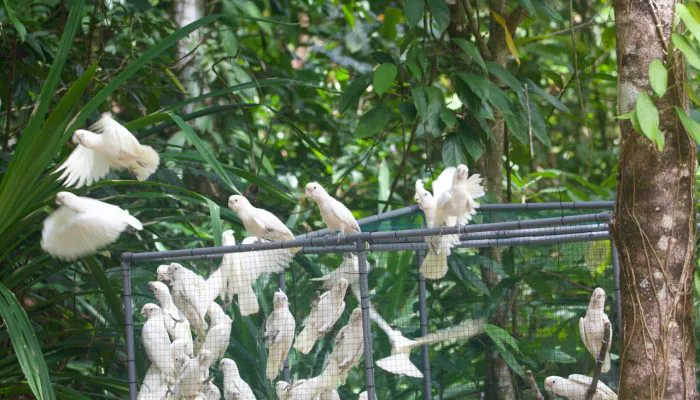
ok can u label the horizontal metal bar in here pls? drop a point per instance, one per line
(368, 237)
(367, 220)
(570, 205)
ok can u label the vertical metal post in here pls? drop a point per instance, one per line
(616, 277)
(423, 311)
(366, 332)
(129, 326)
(282, 284)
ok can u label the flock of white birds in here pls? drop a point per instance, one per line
(181, 361)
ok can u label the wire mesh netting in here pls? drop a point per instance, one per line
(222, 327)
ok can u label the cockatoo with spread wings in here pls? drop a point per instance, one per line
(576, 386)
(107, 145)
(400, 363)
(81, 226)
(335, 214)
(243, 269)
(592, 327)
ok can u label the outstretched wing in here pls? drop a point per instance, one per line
(83, 167)
(256, 263)
(444, 182)
(116, 137)
(464, 331)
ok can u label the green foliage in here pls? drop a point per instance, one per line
(648, 117)
(658, 77)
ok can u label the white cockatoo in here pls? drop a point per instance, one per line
(400, 363)
(181, 351)
(592, 327)
(278, 334)
(219, 333)
(576, 386)
(303, 389)
(192, 294)
(153, 386)
(434, 265)
(329, 395)
(349, 343)
(192, 378)
(235, 388)
(325, 311)
(337, 217)
(81, 226)
(107, 145)
(157, 342)
(349, 269)
(459, 200)
(163, 273)
(243, 269)
(175, 321)
(258, 222)
(210, 392)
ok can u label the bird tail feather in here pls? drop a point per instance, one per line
(399, 364)
(434, 265)
(248, 302)
(147, 163)
(274, 365)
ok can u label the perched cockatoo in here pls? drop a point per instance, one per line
(235, 388)
(400, 363)
(191, 380)
(181, 351)
(363, 396)
(434, 265)
(107, 145)
(243, 269)
(459, 200)
(592, 327)
(337, 217)
(303, 389)
(157, 342)
(163, 273)
(325, 311)
(153, 386)
(81, 226)
(329, 395)
(258, 222)
(348, 269)
(279, 334)
(349, 343)
(175, 321)
(219, 333)
(576, 386)
(192, 295)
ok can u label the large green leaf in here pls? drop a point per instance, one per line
(202, 148)
(648, 117)
(687, 49)
(658, 77)
(692, 127)
(470, 49)
(373, 121)
(441, 15)
(25, 345)
(384, 77)
(12, 15)
(413, 9)
(352, 94)
(689, 20)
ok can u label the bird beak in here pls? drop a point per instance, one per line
(75, 139)
(143, 313)
(151, 286)
(307, 192)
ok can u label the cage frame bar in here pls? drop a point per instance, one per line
(423, 315)
(361, 248)
(129, 326)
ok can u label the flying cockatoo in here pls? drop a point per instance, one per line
(258, 222)
(279, 334)
(82, 225)
(157, 342)
(592, 327)
(459, 200)
(235, 388)
(400, 363)
(107, 145)
(335, 214)
(176, 323)
(325, 311)
(349, 343)
(434, 264)
(191, 380)
(576, 386)
(219, 333)
(243, 269)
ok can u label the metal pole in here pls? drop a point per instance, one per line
(616, 278)
(129, 326)
(366, 332)
(282, 284)
(423, 310)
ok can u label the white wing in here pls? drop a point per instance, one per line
(116, 137)
(444, 182)
(602, 389)
(256, 263)
(69, 235)
(83, 167)
(474, 186)
(274, 227)
(344, 214)
(464, 331)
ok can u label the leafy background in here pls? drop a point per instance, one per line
(260, 97)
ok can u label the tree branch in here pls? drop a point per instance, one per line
(474, 29)
(599, 362)
(533, 385)
(10, 89)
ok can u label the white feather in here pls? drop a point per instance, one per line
(219, 333)
(235, 388)
(156, 341)
(82, 225)
(592, 327)
(325, 311)
(259, 222)
(576, 386)
(279, 335)
(334, 213)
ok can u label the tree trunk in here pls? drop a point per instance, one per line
(654, 226)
